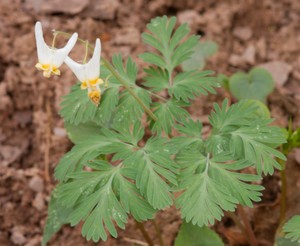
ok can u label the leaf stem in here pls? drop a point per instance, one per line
(158, 96)
(251, 236)
(141, 227)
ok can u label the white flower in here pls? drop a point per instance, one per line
(50, 59)
(88, 73)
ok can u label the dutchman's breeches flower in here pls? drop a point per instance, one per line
(88, 73)
(50, 59)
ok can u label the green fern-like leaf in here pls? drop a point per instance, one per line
(203, 199)
(101, 197)
(211, 186)
(172, 52)
(238, 184)
(167, 42)
(77, 107)
(191, 136)
(93, 143)
(238, 130)
(77, 133)
(151, 163)
(187, 85)
(157, 79)
(129, 109)
(107, 107)
(292, 229)
(253, 144)
(58, 215)
(168, 114)
(127, 72)
(88, 149)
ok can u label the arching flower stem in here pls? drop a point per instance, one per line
(115, 73)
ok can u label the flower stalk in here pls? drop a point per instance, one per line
(110, 67)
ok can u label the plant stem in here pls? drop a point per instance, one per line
(248, 228)
(141, 227)
(118, 77)
(283, 194)
(157, 229)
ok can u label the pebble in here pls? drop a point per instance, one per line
(36, 184)
(242, 33)
(23, 118)
(261, 47)
(9, 154)
(249, 55)
(191, 17)
(235, 60)
(39, 202)
(102, 10)
(60, 132)
(17, 236)
(280, 71)
(127, 36)
(71, 7)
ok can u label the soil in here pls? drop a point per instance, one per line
(32, 135)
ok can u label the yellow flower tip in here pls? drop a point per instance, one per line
(95, 96)
(55, 71)
(42, 67)
(94, 82)
(48, 69)
(47, 74)
(83, 85)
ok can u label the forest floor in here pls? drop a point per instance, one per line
(249, 33)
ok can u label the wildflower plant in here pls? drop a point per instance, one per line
(116, 170)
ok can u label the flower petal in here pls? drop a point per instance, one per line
(93, 66)
(44, 52)
(77, 69)
(61, 54)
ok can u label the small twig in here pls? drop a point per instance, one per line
(141, 227)
(158, 232)
(249, 230)
(126, 239)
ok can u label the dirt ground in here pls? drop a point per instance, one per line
(249, 33)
